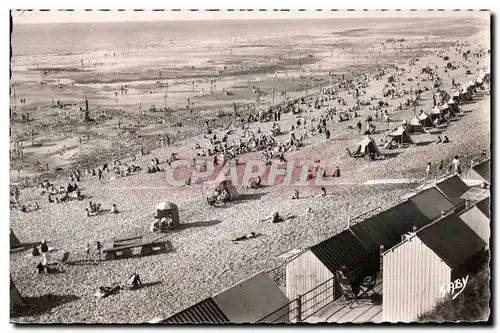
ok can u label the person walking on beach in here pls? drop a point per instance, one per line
(428, 171)
(456, 165)
(87, 252)
(441, 167)
(99, 250)
(100, 174)
(44, 250)
(358, 125)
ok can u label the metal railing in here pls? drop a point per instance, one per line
(296, 310)
(289, 312)
(363, 216)
(327, 298)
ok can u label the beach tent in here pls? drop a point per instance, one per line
(453, 107)
(221, 182)
(435, 113)
(165, 208)
(227, 184)
(15, 296)
(14, 241)
(425, 121)
(414, 125)
(400, 135)
(367, 146)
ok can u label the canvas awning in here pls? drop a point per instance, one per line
(451, 101)
(435, 110)
(397, 132)
(444, 106)
(423, 116)
(165, 205)
(456, 94)
(415, 121)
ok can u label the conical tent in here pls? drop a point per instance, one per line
(221, 183)
(14, 241)
(435, 113)
(425, 121)
(15, 296)
(414, 125)
(400, 135)
(367, 146)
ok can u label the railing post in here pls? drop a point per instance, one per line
(299, 308)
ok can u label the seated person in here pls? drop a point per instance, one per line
(163, 224)
(296, 194)
(134, 281)
(439, 140)
(446, 140)
(336, 173)
(344, 278)
(155, 226)
(113, 209)
(256, 183)
(35, 252)
(40, 267)
(276, 218)
(323, 192)
(211, 200)
(90, 212)
(223, 197)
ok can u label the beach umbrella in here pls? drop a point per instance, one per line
(165, 205)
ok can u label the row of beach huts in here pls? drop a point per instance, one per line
(430, 239)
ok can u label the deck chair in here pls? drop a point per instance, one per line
(368, 286)
(348, 294)
(64, 259)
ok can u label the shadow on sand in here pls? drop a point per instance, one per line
(34, 306)
(424, 143)
(148, 284)
(390, 155)
(250, 197)
(210, 223)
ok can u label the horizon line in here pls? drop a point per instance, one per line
(26, 17)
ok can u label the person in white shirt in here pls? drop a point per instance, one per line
(456, 165)
(428, 171)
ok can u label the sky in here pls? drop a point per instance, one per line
(55, 16)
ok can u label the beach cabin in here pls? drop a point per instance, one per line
(255, 299)
(453, 188)
(387, 227)
(478, 174)
(431, 203)
(478, 218)
(203, 312)
(417, 271)
(311, 273)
